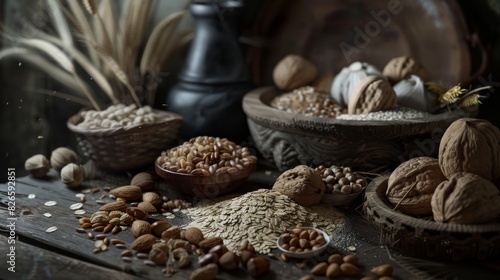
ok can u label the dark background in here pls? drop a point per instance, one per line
(33, 123)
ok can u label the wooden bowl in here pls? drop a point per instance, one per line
(426, 238)
(340, 199)
(204, 186)
(288, 139)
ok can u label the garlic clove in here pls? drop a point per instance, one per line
(412, 93)
(348, 78)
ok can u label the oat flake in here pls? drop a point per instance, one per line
(76, 206)
(31, 196)
(50, 203)
(80, 212)
(80, 195)
(51, 229)
(48, 215)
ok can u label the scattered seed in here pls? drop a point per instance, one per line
(106, 241)
(176, 210)
(83, 199)
(100, 236)
(121, 246)
(284, 257)
(272, 256)
(81, 230)
(94, 225)
(123, 228)
(98, 243)
(90, 235)
(104, 195)
(351, 248)
(106, 189)
(108, 228)
(116, 229)
(31, 196)
(142, 256)
(169, 215)
(111, 196)
(86, 225)
(104, 247)
(76, 206)
(80, 195)
(98, 229)
(50, 203)
(48, 215)
(127, 259)
(80, 212)
(51, 229)
(126, 253)
(100, 202)
(149, 262)
(115, 241)
(97, 250)
(85, 191)
(95, 190)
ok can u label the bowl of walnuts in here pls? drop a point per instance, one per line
(303, 242)
(206, 166)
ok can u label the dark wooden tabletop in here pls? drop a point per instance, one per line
(67, 254)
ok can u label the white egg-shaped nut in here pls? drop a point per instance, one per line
(72, 175)
(38, 165)
(61, 157)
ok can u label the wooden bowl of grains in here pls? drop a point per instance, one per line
(206, 166)
(288, 139)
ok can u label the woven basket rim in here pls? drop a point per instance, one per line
(374, 199)
(165, 118)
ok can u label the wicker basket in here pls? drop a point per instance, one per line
(128, 147)
(426, 238)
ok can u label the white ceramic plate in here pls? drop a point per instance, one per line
(308, 254)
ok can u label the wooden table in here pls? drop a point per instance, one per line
(66, 254)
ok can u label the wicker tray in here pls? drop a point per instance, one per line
(426, 238)
(128, 147)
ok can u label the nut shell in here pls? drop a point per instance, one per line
(471, 145)
(372, 94)
(144, 180)
(38, 165)
(302, 184)
(414, 180)
(400, 68)
(61, 157)
(72, 175)
(466, 198)
(294, 71)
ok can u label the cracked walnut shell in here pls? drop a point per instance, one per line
(294, 71)
(412, 184)
(372, 94)
(466, 198)
(302, 184)
(471, 145)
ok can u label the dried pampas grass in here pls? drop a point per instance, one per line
(109, 45)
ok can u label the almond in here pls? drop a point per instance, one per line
(349, 269)
(320, 269)
(140, 227)
(207, 272)
(229, 261)
(114, 206)
(193, 235)
(209, 242)
(144, 180)
(147, 207)
(152, 198)
(159, 227)
(143, 242)
(333, 270)
(171, 233)
(137, 213)
(129, 193)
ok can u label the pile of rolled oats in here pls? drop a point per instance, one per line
(260, 217)
(116, 116)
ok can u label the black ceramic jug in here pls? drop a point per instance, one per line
(215, 76)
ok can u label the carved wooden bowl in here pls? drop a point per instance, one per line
(288, 139)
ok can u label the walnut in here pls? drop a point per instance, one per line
(471, 145)
(414, 180)
(400, 68)
(302, 184)
(372, 94)
(466, 198)
(293, 72)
